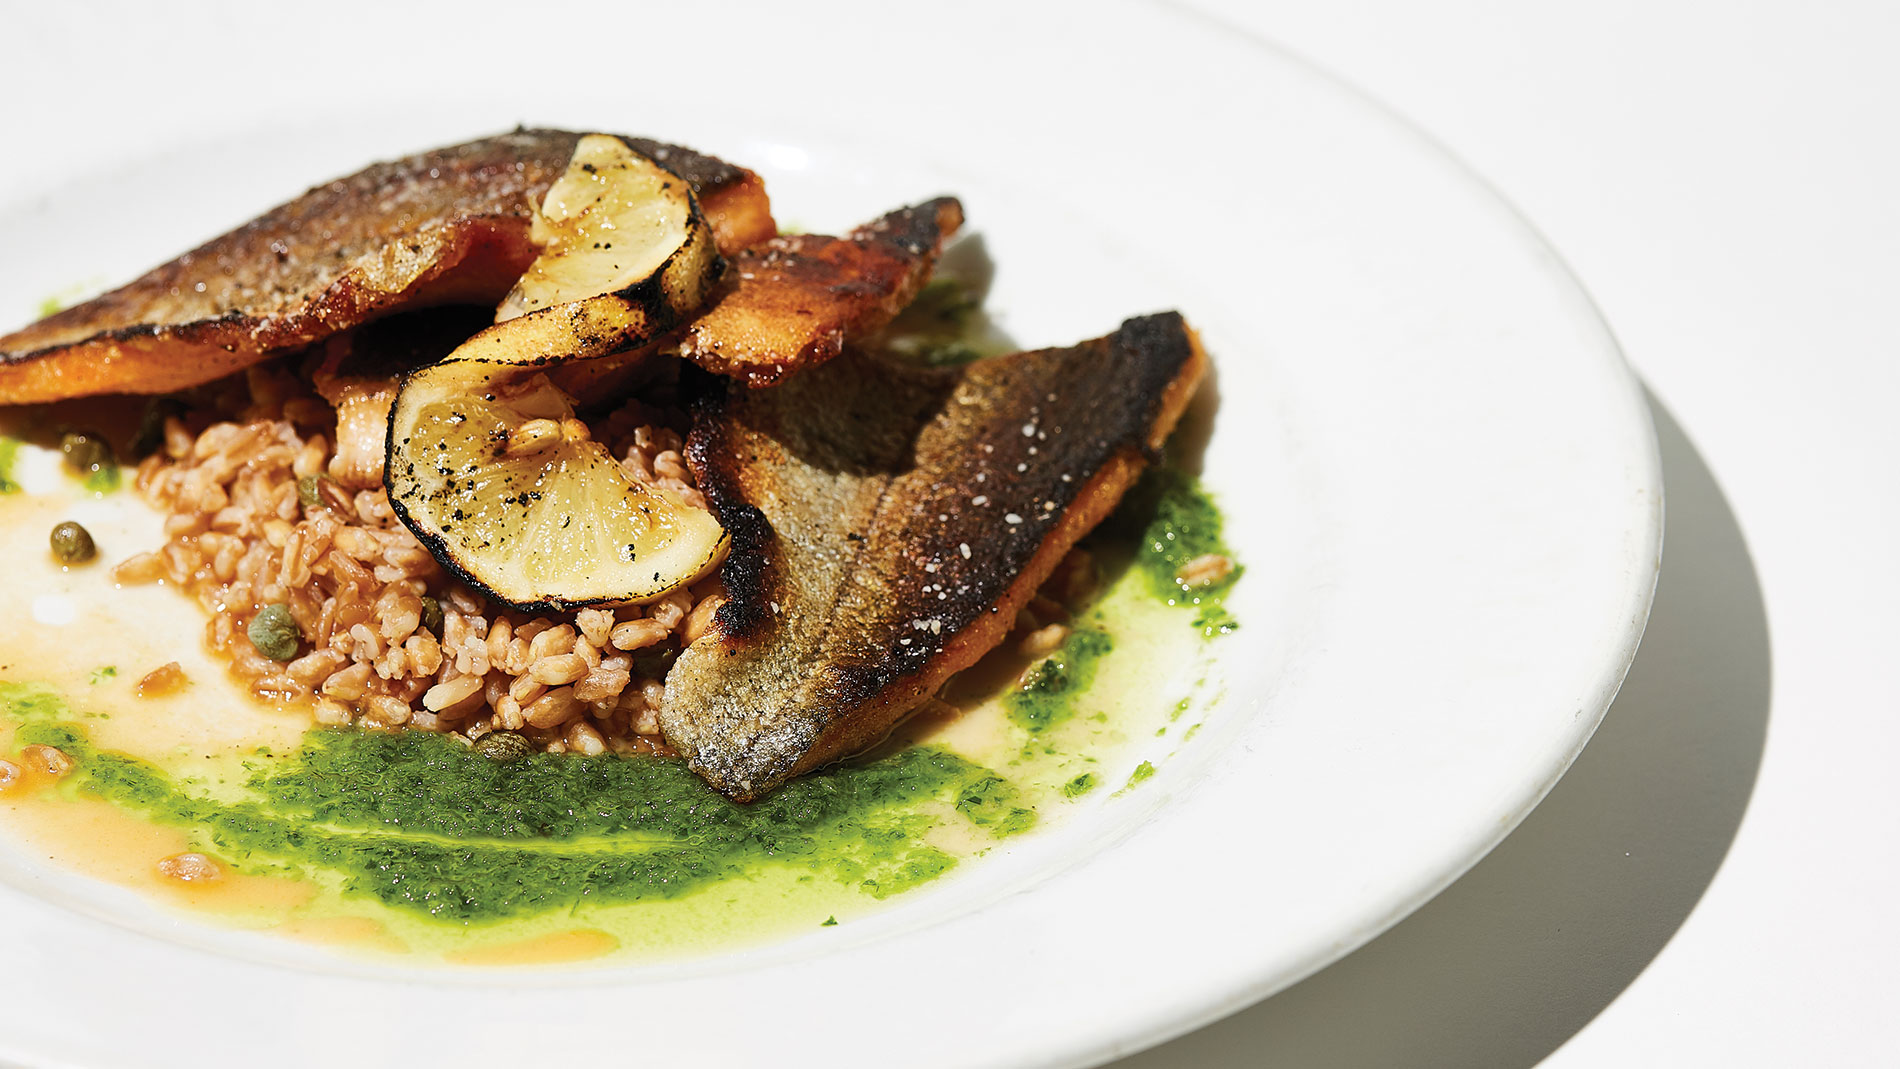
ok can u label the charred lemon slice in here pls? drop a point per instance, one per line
(504, 485)
(486, 462)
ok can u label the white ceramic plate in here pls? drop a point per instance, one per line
(1435, 465)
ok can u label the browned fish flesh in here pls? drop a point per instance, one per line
(357, 372)
(440, 227)
(888, 521)
(798, 298)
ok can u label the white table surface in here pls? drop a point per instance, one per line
(1714, 881)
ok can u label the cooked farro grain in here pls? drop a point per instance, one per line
(1204, 570)
(190, 868)
(169, 678)
(1044, 640)
(48, 759)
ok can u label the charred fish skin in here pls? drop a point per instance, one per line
(444, 226)
(888, 521)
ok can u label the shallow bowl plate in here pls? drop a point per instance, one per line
(1436, 468)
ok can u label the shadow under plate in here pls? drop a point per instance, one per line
(1528, 947)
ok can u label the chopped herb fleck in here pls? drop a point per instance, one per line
(310, 491)
(432, 616)
(1047, 694)
(9, 450)
(1141, 773)
(1179, 523)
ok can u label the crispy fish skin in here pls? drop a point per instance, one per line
(888, 522)
(797, 298)
(445, 226)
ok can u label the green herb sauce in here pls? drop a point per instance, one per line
(1046, 696)
(9, 451)
(422, 824)
(102, 479)
(1182, 523)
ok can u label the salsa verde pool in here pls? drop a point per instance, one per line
(420, 822)
(441, 849)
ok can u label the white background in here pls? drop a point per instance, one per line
(1714, 883)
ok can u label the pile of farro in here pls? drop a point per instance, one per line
(262, 509)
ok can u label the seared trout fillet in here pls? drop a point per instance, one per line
(445, 226)
(798, 297)
(888, 522)
(791, 302)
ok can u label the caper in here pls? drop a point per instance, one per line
(432, 616)
(503, 746)
(85, 452)
(274, 633)
(72, 544)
